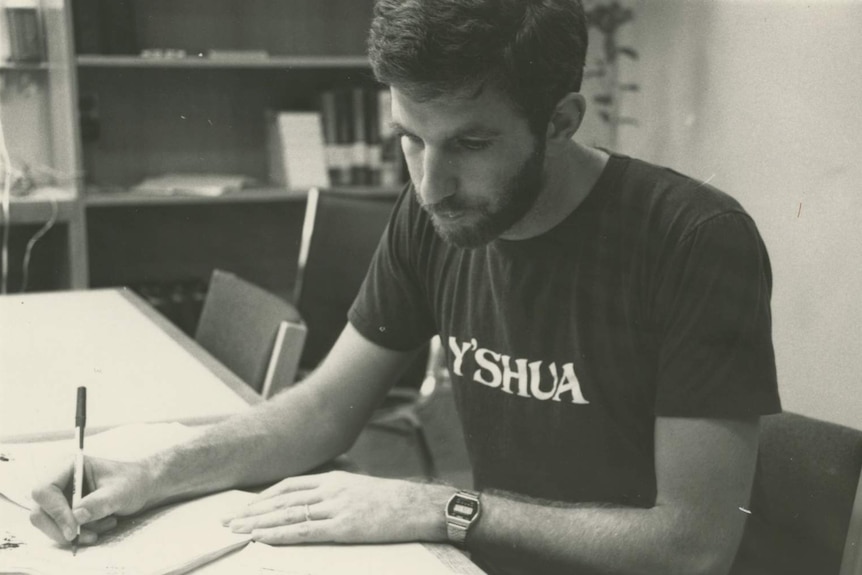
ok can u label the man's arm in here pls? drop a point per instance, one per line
(704, 472)
(293, 432)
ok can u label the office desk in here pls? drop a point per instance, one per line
(137, 366)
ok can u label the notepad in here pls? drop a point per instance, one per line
(164, 541)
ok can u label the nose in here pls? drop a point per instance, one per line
(438, 179)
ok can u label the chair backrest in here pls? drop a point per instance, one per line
(340, 234)
(806, 516)
(239, 325)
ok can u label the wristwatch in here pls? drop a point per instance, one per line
(462, 511)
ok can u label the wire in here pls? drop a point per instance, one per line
(7, 219)
(6, 205)
(25, 267)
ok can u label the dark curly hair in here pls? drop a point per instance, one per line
(532, 50)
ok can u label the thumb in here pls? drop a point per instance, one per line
(97, 505)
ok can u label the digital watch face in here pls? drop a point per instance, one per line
(463, 508)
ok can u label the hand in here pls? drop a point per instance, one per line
(115, 489)
(344, 508)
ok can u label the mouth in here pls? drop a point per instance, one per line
(449, 216)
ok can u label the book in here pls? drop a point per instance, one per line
(359, 166)
(391, 172)
(372, 120)
(297, 153)
(335, 109)
(24, 31)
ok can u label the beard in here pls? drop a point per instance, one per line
(474, 224)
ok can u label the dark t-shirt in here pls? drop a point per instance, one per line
(650, 299)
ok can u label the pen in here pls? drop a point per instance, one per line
(78, 478)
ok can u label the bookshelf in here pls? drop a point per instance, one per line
(132, 89)
(184, 86)
(237, 62)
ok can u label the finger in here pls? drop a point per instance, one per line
(298, 483)
(47, 525)
(284, 501)
(305, 532)
(97, 505)
(88, 537)
(275, 518)
(102, 525)
(54, 506)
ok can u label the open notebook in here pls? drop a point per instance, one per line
(179, 538)
(190, 536)
(164, 541)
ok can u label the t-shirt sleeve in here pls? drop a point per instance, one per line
(716, 357)
(391, 308)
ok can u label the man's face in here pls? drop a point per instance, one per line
(475, 164)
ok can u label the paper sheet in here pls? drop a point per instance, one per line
(24, 465)
(169, 540)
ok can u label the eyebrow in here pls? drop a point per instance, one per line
(470, 129)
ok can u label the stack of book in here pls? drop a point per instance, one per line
(361, 149)
(347, 142)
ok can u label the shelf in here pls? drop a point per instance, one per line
(276, 62)
(36, 206)
(124, 197)
(23, 66)
(121, 197)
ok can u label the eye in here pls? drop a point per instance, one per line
(474, 144)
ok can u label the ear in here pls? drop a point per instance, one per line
(566, 117)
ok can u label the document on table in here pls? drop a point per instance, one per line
(24, 465)
(164, 541)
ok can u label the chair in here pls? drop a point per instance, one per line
(806, 507)
(340, 234)
(254, 333)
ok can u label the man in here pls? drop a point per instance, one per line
(606, 323)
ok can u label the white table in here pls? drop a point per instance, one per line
(137, 366)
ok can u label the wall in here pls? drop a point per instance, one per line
(761, 98)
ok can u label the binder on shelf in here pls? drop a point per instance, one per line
(361, 147)
(391, 172)
(23, 36)
(335, 137)
(5, 48)
(104, 27)
(297, 151)
(359, 165)
(372, 122)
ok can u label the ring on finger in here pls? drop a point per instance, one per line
(307, 513)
